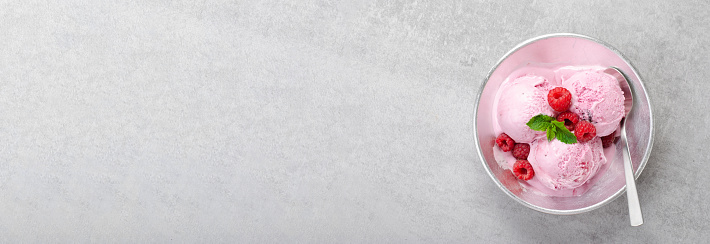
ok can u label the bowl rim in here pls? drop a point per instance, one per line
(644, 160)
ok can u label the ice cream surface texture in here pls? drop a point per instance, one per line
(561, 166)
(560, 169)
(523, 98)
(597, 98)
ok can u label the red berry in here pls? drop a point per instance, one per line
(505, 142)
(607, 141)
(559, 99)
(523, 170)
(585, 131)
(521, 150)
(569, 118)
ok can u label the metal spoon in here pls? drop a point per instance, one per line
(633, 199)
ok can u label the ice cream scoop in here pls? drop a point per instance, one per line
(520, 100)
(597, 98)
(561, 166)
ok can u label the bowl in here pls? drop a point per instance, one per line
(565, 49)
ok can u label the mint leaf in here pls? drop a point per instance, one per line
(551, 132)
(539, 126)
(541, 117)
(553, 128)
(563, 134)
(539, 122)
(566, 137)
(558, 124)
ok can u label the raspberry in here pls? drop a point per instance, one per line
(607, 141)
(569, 118)
(585, 131)
(521, 150)
(505, 142)
(559, 99)
(523, 170)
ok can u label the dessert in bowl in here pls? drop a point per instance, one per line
(541, 163)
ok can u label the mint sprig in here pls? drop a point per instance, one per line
(553, 128)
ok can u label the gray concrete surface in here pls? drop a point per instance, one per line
(313, 121)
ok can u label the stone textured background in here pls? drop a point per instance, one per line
(314, 121)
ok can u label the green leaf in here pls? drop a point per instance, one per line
(551, 132)
(540, 122)
(539, 126)
(553, 128)
(558, 124)
(564, 135)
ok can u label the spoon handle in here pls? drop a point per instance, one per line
(633, 198)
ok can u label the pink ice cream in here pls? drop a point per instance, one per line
(560, 169)
(559, 166)
(596, 97)
(520, 100)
